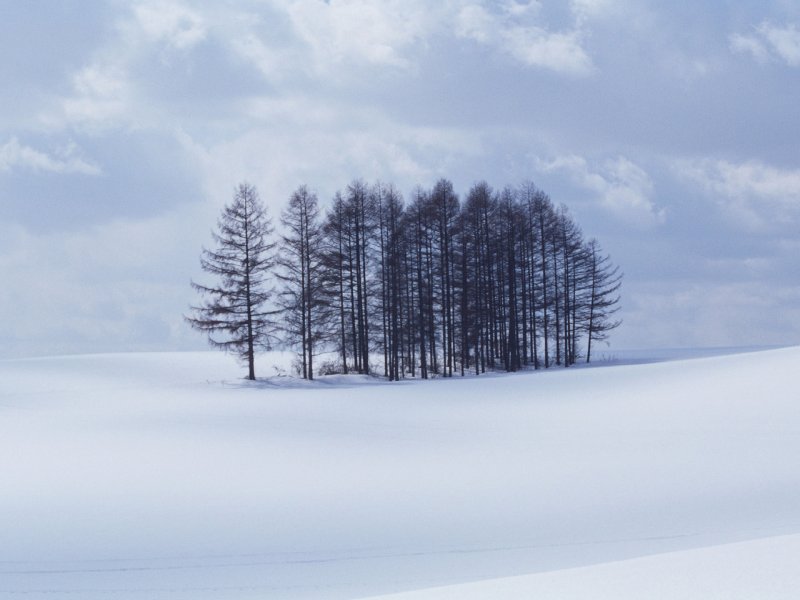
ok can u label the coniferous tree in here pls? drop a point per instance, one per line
(302, 298)
(445, 207)
(419, 320)
(360, 205)
(505, 280)
(478, 223)
(543, 219)
(235, 314)
(336, 276)
(604, 281)
(530, 291)
(391, 249)
(572, 282)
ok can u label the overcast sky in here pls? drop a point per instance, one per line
(670, 130)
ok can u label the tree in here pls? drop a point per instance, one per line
(502, 280)
(303, 295)
(604, 283)
(421, 275)
(234, 312)
(479, 210)
(337, 267)
(445, 208)
(392, 251)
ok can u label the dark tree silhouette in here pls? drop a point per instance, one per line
(336, 274)
(604, 281)
(302, 297)
(234, 312)
(391, 251)
(503, 280)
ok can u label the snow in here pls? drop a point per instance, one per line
(765, 568)
(168, 476)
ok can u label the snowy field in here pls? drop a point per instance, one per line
(151, 476)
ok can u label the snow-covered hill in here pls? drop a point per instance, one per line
(167, 476)
(763, 568)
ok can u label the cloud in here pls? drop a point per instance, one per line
(747, 44)
(757, 195)
(475, 22)
(362, 31)
(121, 85)
(173, 23)
(14, 155)
(586, 9)
(738, 312)
(296, 141)
(623, 188)
(105, 93)
(254, 51)
(98, 290)
(561, 52)
(770, 42)
(155, 47)
(513, 30)
(101, 95)
(785, 42)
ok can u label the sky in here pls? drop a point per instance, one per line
(670, 130)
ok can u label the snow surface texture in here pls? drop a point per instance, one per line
(765, 568)
(167, 476)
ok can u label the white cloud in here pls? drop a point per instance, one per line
(101, 95)
(755, 194)
(785, 42)
(560, 51)
(104, 92)
(13, 155)
(300, 142)
(590, 9)
(173, 23)
(514, 30)
(770, 42)
(330, 41)
(522, 7)
(362, 31)
(255, 52)
(623, 188)
(476, 23)
(747, 44)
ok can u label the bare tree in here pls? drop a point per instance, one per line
(303, 296)
(604, 281)
(392, 250)
(234, 312)
(504, 280)
(337, 267)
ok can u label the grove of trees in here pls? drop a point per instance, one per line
(437, 286)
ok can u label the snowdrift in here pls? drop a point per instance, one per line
(167, 476)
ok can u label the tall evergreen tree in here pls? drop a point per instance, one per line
(234, 312)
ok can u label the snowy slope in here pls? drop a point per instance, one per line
(765, 568)
(166, 476)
